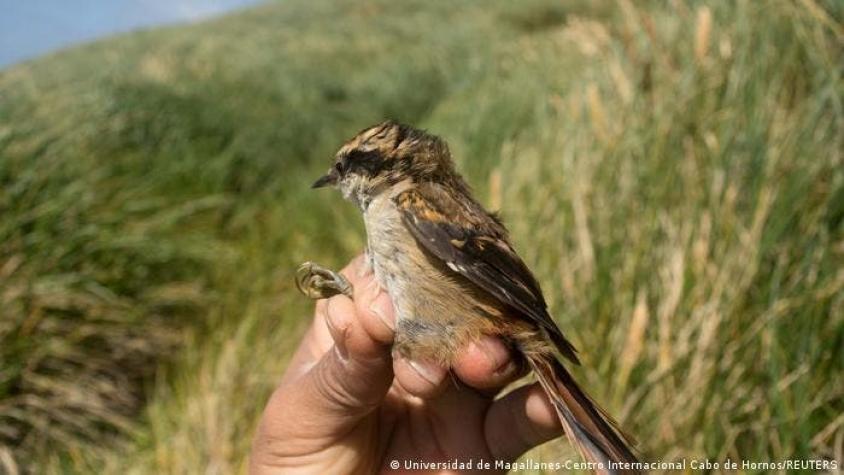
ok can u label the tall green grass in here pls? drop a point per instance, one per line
(673, 173)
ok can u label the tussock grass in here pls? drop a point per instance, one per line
(673, 173)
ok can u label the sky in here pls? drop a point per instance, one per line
(30, 28)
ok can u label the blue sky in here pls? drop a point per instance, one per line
(29, 28)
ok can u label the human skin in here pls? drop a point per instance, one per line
(347, 405)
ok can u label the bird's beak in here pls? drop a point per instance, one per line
(329, 178)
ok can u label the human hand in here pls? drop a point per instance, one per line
(347, 405)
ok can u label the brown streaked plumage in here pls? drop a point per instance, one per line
(453, 275)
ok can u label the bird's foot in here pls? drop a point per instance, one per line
(317, 282)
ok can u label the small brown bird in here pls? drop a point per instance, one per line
(453, 275)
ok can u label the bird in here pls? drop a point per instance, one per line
(453, 275)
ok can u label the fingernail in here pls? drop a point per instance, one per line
(371, 286)
(508, 367)
(342, 351)
(430, 373)
(363, 268)
(379, 307)
(338, 335)
(495, 354)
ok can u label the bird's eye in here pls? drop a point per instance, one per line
(340, 166)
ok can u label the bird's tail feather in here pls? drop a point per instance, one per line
(587, 426)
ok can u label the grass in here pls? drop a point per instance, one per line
(672, 172)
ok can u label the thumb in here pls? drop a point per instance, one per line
(352, 378)
(308, 412)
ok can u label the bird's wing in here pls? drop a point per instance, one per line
(474, 244)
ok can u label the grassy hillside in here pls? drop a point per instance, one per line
(673, 173)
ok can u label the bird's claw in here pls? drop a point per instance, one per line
(317, 282)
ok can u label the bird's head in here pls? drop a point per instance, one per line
(383, 156)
